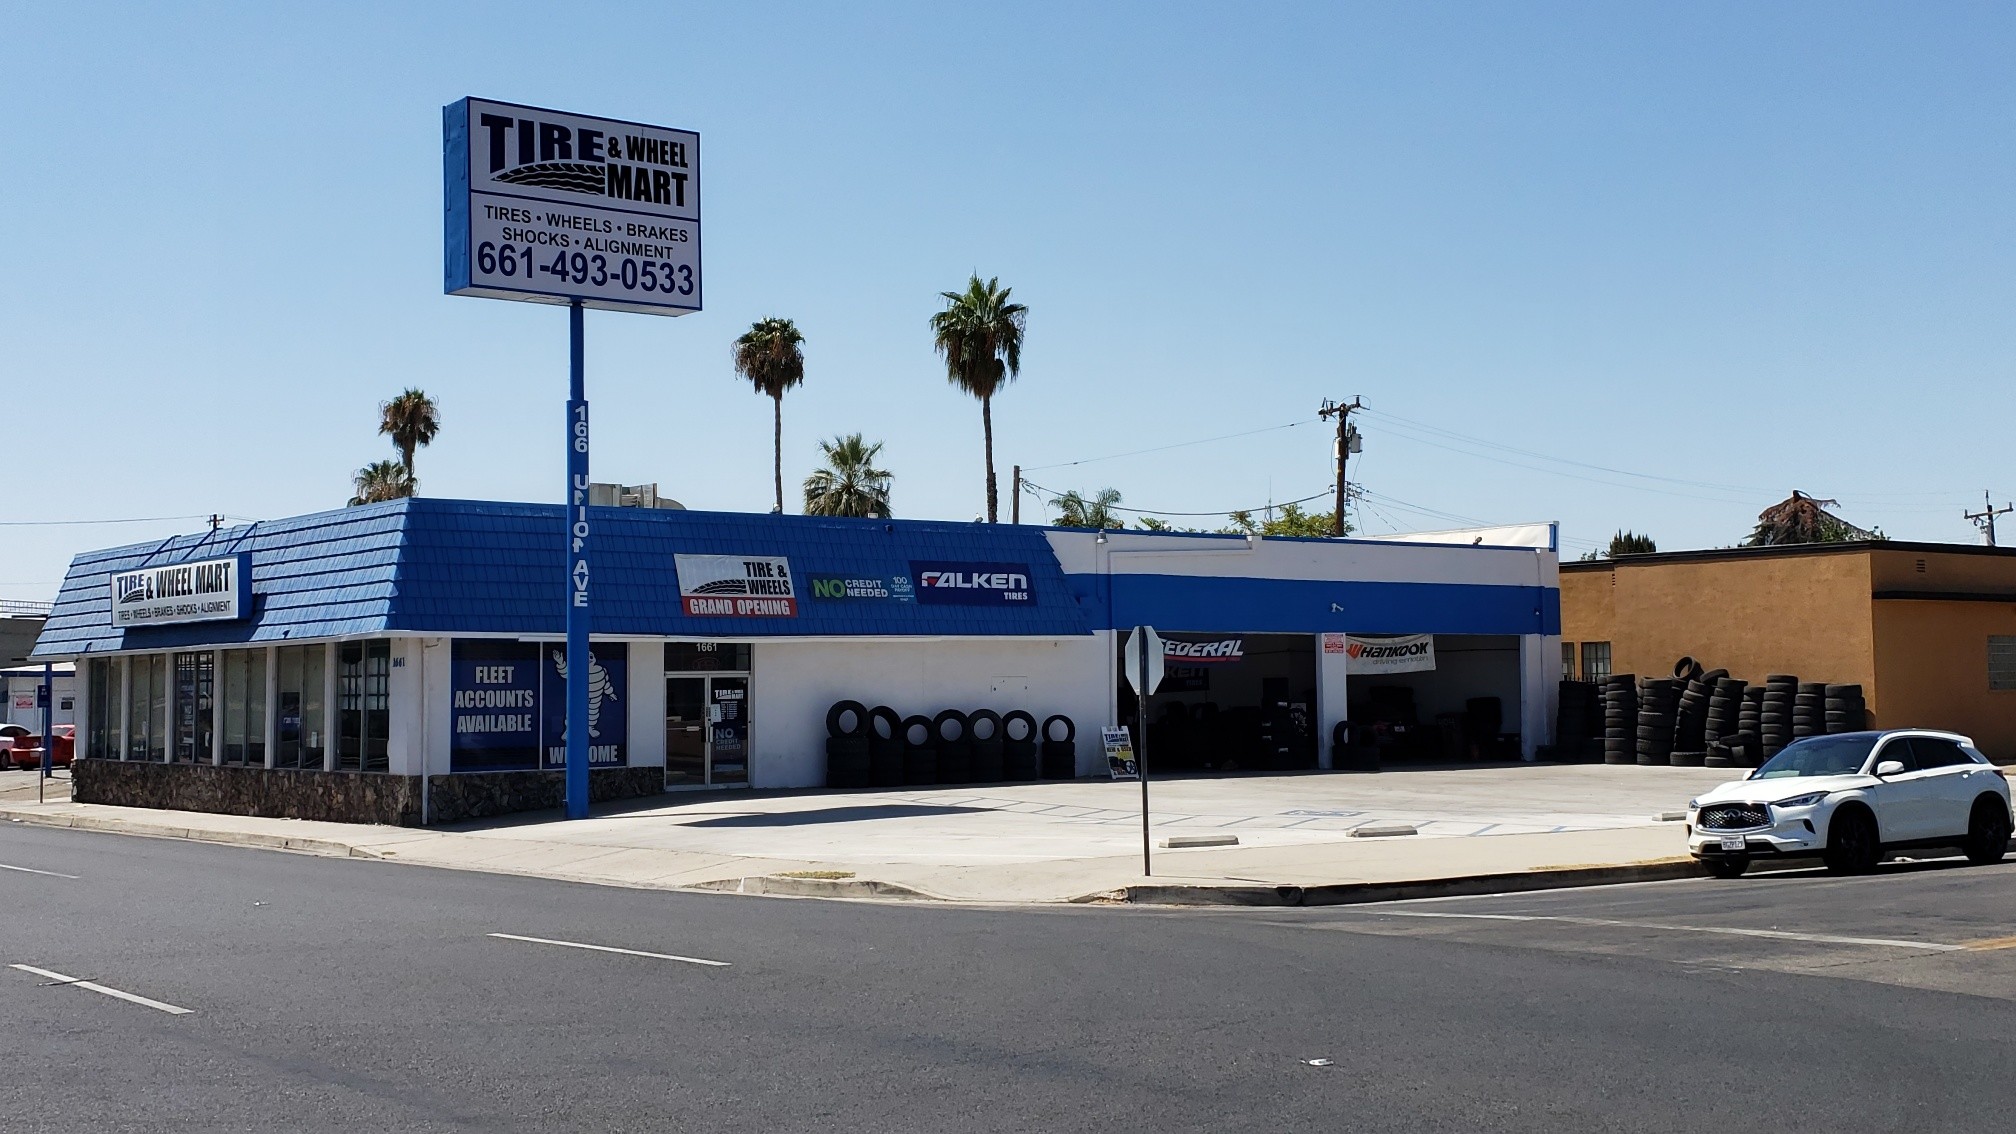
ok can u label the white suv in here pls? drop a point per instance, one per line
(1852, 798)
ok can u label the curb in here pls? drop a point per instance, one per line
(1358, 893)
(193, 834)
(774, 886)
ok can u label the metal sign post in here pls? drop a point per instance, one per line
(1144, 664)
(547, 206)
(46, 694)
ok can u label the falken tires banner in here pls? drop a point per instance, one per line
(971, 584)
(1409, 654)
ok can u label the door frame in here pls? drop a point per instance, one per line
(706, 678)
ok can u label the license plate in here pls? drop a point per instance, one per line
(1732, 843)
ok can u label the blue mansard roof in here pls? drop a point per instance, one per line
(430, 566)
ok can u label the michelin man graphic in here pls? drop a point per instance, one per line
(599, 686)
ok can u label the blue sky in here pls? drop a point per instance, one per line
(1710, 252)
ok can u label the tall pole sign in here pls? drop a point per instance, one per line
(548, 207)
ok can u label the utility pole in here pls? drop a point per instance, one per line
(1985, 518)
(1015, 500)
(1347, 438)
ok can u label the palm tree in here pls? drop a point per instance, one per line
(850, 484)
(411, 420)
(1075, 510)
(382, 480)
(769, 355)
(979, 335)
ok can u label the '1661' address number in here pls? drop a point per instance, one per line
(582, 268)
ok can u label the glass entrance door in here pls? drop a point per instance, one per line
(685, 730)
(728, 748)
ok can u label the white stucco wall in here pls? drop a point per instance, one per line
(793, 684)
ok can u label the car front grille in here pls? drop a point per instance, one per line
(1734, 816)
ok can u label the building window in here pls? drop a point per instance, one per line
(1595, 661)
(299, 718)
(706, 657)
(2002, 661)
(195, 686)
(1567, 661)
(101, 737)
(147, 708)
(363, 703)
(245, 707)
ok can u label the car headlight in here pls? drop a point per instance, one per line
(1807, 800)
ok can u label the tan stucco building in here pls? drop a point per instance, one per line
(1927, 629)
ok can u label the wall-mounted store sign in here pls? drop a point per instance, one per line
(546, 207)
(204, 590)
(834, 588)
(1409, 654)
(1213, 651)
(736, 586)
(972, 584)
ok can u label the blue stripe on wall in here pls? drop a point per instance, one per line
(1297, 606)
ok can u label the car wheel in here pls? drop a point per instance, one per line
(1731, 867)
(1987, 831)
(1852, 846)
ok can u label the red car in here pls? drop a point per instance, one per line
(22, 749)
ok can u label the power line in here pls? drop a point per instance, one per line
(1165, 448)
(74, 523)
(1034, 488)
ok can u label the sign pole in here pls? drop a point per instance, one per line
(1141, 751)
(48, 699)
(577, 569)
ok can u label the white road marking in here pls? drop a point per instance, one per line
(45, 873)
(1726, 931)
(94, 986)
(612, 949)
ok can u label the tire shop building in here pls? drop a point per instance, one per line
(1927, 630)
(402, 662)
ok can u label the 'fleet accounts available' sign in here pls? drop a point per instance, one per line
(548, 207)
(972, 584)
(206, 590)
(736, 586)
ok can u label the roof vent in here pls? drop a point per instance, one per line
(1921, 566)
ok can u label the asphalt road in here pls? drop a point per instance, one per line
(329, 994)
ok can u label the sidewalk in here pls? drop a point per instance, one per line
(1500, 828)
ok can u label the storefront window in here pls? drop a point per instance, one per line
(706, 657)
(363, 701)
(299, 718)
(195, 686)
(102, 738)
(245, 707)
(147, 708)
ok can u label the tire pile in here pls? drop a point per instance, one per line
(880, 747)
(1700, 717)
(1579, 721)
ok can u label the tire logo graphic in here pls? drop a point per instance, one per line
(571, 176)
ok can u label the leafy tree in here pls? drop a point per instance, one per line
(382, 480)
(1156, 524)
(411, 420)
(770, 355)
(1075, 510)
(979, 335)
(1805, 519)
(850, 484)
(1288, 520)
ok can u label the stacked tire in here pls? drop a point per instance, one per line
(1690, 721)
(1060, 748)
(989, 748)
(955, 747)
(847, 745)
(1658, 707)
(1809, 710)
(1620, 719)
(1847, 711)
(1019, 746)
(920, 752)
(1579, 714)
(1725, 709)
(1774, 717)
(885, 747)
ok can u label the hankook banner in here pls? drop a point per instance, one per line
(736, 586)
(206, 590)
(1408, 654)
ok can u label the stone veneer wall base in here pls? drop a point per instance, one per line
(342, 797)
